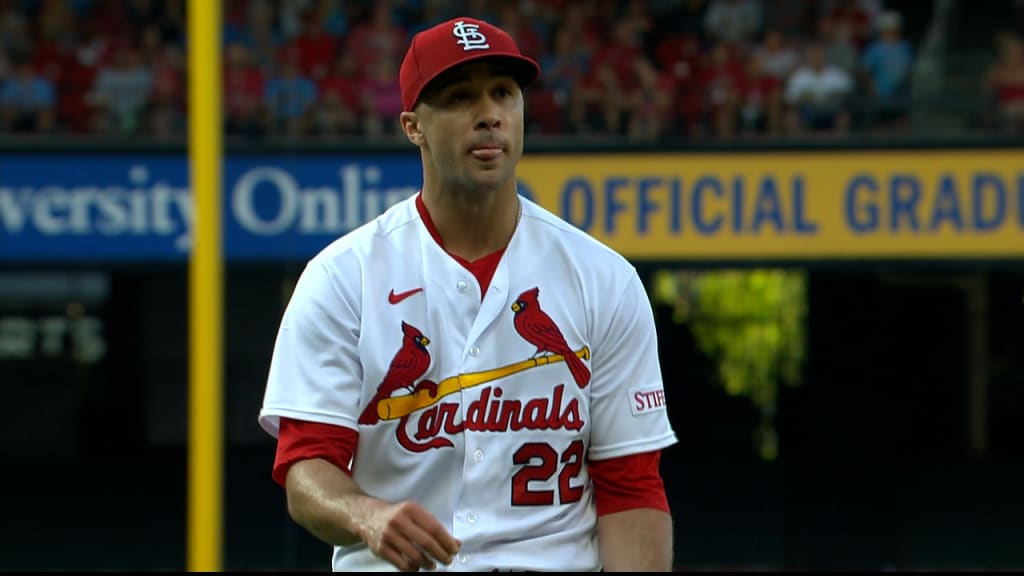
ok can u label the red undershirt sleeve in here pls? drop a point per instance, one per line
(628, 482)
(623, 483)
(302, 440)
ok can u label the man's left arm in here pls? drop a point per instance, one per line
(630, 428)
(634, 522)
(638, 540)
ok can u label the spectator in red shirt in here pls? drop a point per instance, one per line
(57, 60)
(315, 47)
(1004, 84)
(679, 56)
(339, 100)
(760, 100)
(109, 18)
(244, 111)
(380, 37)
(622, 78)
(720, 81)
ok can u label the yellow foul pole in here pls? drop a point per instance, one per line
(205, 428)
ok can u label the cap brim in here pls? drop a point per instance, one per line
(525, 70)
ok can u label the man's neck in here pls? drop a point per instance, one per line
(474, 226)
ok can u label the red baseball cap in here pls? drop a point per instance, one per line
(457, 41)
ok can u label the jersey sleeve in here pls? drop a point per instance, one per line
(627, 409)
(628, 483)
(315, 373)
(300, 440)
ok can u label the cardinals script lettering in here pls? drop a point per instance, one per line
(489, 413)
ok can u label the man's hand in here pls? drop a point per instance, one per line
(408, 536)
(327, 502)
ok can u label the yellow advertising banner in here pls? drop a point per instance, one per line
(781, 205)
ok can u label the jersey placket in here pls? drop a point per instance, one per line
(476, 356)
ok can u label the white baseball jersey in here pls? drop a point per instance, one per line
(483, 410)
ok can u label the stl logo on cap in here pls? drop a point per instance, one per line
(432, 52)
(470, 37)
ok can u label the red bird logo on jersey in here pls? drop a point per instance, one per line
(537, 328)
(409, 364)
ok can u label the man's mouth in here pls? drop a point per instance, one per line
(486, 152)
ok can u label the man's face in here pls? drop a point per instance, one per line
(471, 120)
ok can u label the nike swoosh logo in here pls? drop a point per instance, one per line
(396, 298)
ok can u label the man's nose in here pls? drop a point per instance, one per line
(488, 115)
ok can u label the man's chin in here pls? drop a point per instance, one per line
(490, 178)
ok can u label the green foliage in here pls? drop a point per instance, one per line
(751, 324)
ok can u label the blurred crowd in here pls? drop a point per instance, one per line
(326, 68)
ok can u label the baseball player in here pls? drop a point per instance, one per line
(468, 382)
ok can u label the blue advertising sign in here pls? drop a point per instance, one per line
(139, 208)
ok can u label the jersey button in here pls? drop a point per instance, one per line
(471, 517)
(474, 351)
(461, 286)
(461, 558)
(478, 455)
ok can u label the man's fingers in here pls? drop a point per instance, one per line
(392, 555)
(428, 541)
(414, 539)
(437, 533)
(406, 556)
(446, 541)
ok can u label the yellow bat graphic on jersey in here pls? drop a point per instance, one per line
(399, 406)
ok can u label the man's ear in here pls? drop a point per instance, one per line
(411, 127)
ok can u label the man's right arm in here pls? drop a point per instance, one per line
(313, 458)
(326, 501)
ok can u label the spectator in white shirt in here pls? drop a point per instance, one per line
(121, 92)
(777, 57)
(817, 94)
